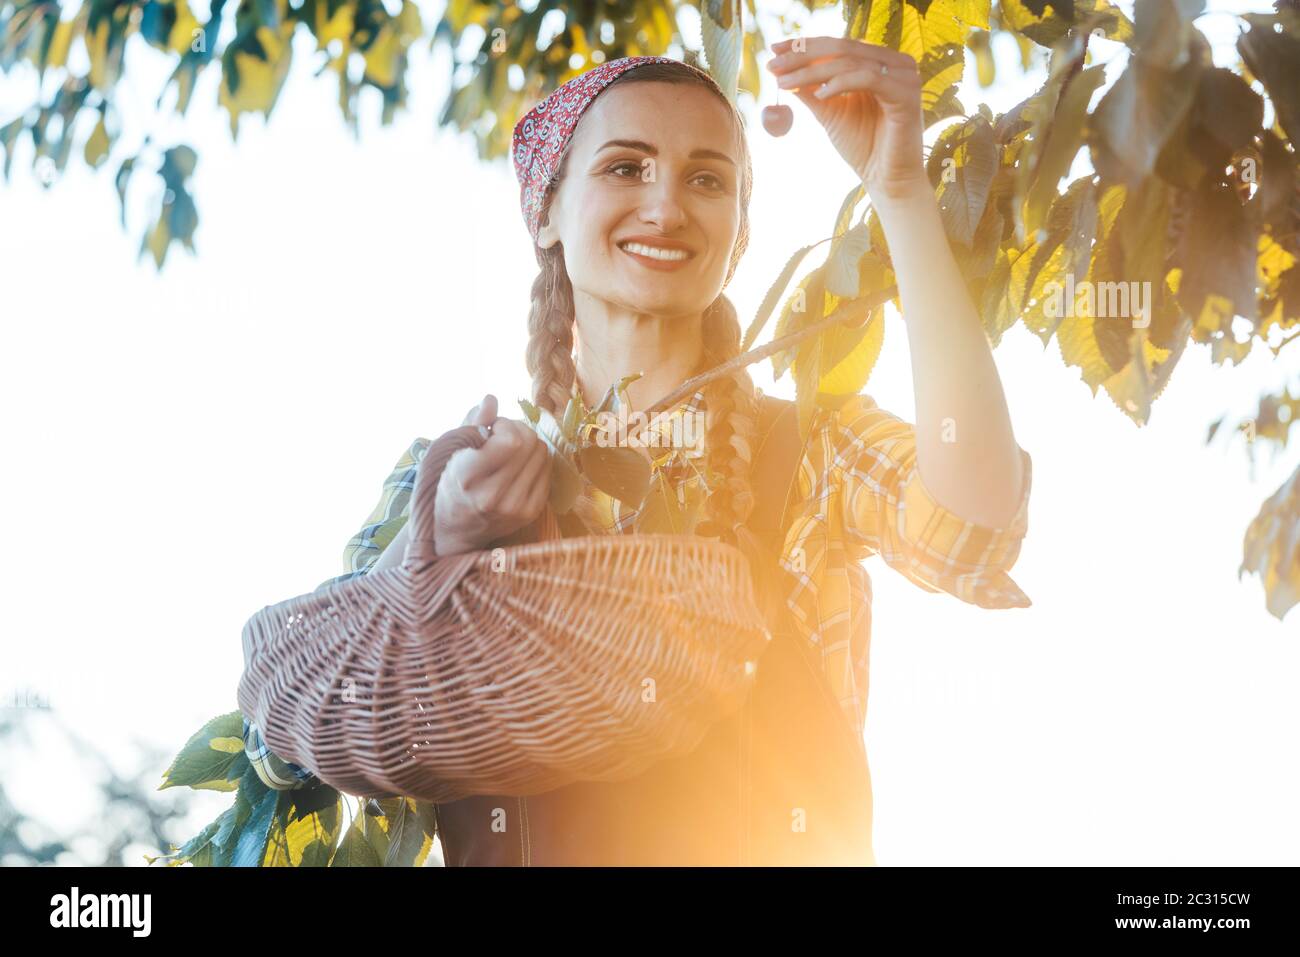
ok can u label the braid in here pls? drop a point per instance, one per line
(550, 333)
(732, 417)
(732, 405)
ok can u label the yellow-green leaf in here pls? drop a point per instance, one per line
(97, 145)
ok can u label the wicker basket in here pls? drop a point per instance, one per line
(510, 671)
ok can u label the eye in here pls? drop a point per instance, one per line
(717, 180)
(626, 164)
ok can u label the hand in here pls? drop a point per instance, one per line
(489, 492)
(873, 118)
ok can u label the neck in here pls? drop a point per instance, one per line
(613, 343)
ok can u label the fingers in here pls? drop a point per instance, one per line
(509, 442)
(519, 498)
(892, 92)
(485, 413)
(541, 490)
(813, 49)
(504, 493)
(842, 74)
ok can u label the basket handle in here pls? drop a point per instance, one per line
(420, 547)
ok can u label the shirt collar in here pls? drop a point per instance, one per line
(681, 427)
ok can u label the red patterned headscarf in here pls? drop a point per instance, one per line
(542, 133)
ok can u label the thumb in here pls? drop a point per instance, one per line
(485, 413)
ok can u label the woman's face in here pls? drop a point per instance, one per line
(655, 162)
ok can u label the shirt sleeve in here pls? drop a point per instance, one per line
(386, 518)
(359, 556)
(888, 510)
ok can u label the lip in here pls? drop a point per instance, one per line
(662, 243)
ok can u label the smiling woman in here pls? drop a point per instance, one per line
(635, 183)
(639, 224)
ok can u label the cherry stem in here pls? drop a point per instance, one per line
(693, 385)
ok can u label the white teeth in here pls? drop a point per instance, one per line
(668, 255)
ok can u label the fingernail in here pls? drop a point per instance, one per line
(822, 93)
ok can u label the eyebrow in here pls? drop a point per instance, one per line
(645, 147)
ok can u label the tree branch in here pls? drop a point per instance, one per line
(853, 308)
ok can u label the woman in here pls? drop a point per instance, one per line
(635, 183)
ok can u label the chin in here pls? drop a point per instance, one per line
(645, 300)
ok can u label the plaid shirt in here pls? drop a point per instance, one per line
(861, 495)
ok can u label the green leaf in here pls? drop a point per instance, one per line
(1135, 387)
(1271, 49)
(97, 145)
(408, 844)
(1139, 113)
(231, 826)
(1162, 31)
(1225, 117)
(312, 798)
(1278, 181)
(355, 850)
(842, 276)
(615, 398)
(806, 306)
(302, 840)
(962, 198)
(662, 514)
(1141, 228)
(985, 65)
(846, 372)
(250, 841)
(572, 416)
(8, 137)
(1064, 137)
(620, 472)
(121, 180)
(201, 766)
(1065, 251)
(428, 812)
(1045, 24)
(934, 34)
(722, 31)
(1217, 255)
(1271, 543)
(199, 844)
(772, 298)
(566, 483)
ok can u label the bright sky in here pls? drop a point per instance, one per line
(188, 447)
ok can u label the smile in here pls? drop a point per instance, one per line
(656, 255)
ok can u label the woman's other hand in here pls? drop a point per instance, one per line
(490, 492)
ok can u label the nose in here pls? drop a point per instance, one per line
(662, 206)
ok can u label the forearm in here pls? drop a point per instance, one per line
(396, 550)
(966, 452)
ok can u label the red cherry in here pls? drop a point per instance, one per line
(777, 119)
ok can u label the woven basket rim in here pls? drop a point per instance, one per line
(618, 541)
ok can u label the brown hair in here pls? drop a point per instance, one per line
(731, 402)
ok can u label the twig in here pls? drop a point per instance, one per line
(691, 386)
